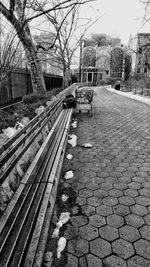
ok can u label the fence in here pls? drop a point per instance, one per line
(18, 83)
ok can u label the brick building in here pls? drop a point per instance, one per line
(142, 63)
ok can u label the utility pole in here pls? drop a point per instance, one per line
(0, 46)
(80, 61)
(0, 39)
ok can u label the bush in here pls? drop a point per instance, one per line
(7, 120)
(25, 109)
(32, 98)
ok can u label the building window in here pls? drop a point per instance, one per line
(145, 70)
(107, 72)
(138, 70)
(139, 61)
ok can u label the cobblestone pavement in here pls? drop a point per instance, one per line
(110, 213)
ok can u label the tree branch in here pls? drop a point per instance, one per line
(60, 6)
(12, 6)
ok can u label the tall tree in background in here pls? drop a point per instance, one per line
(11, 54)
(70, 32)
(19, 13)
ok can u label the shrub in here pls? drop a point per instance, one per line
(32, 98)
(25, 109)
(7, 120)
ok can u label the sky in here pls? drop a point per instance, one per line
(118, 18)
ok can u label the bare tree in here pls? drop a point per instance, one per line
(19, 13)
(11, 53)
(70, 32)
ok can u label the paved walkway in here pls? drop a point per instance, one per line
(109, 195)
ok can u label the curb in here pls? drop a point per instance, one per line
(130, 95)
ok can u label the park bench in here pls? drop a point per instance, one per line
(25, 222)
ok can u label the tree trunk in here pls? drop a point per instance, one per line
(66, 77)
(24, 35)
(37, 79)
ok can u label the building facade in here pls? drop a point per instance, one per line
(142, 62)
(96, 58)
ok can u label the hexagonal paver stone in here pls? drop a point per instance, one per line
(94, 201)
(78, 220)
(78, 246)
(134, 220)
(138, 179)
(72, 261)
(139, 210)
(80, 186)
(88, 232)
(132, 169)
(137, 261)
(121, 210)
(93, 261)
(120, 186)
(81, 201)
(100, 247)
(146, 184)
(115, 193)
(98, 180)
(129, 233)
(115, 220)
(142, 248)
(85, 193)
(83, 180)
(92, 186)
(100, 193)
(134, 185)
(124, 179)
(125, 200)
(111, 180)
(144, 192)
(123, 248)
(147, 219)
(88, 210)
(141, 200)
(114, 261)
(97, 220)
(71, 232)
(82, 262)
(103, 174)
(131, 192)
(106, 186)
(104, 210)
(110, 201)
(109, 233)
(145, 232)
(90, 174)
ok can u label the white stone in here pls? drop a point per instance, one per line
(68, 175)
(73, 140)
(61, 245)
(64, 217)
(64, 198)
(87, 145)
(69, 156)
(74, 124)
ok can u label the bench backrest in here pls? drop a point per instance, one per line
(12, 151)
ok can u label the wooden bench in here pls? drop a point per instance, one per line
(25, 223)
